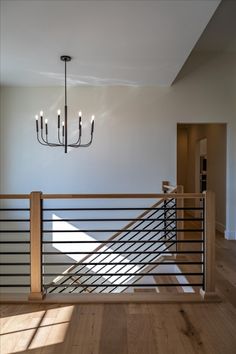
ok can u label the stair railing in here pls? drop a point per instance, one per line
(174, 235)
(121, 235)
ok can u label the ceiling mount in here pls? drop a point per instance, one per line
(65, 58)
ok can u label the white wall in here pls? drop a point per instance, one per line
(134, 147)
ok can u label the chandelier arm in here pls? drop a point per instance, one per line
(40, 142)
(52, 144)
(78, 141)
(59, 138)
(77, 144)
(43, 137)
(46, 140)
(84, 145)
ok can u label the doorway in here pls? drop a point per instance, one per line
(201, 163)
(201, 168)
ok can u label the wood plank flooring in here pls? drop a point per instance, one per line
(204, 328)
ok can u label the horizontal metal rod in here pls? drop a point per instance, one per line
(5, 253)
(111, 241)
(14, 231)
(115, 209)
(14, 264)
(120, 285)
(119, 219)
(14, 242)
(14, 274)
(120, 274)
(115, 252)
(114, 263)
(14, 285)
(14, 220)
(123, 230)
(14, 209)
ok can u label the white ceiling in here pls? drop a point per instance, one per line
(143, 42)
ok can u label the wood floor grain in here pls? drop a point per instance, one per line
(200, 328)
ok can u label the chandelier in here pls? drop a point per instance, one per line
(62, 126)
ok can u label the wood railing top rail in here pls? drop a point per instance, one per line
(122, 196)
(107, 196)
(169, 187)
(14, 196)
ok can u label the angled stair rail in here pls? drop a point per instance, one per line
(121, 235)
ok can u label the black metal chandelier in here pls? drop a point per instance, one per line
(62, 127)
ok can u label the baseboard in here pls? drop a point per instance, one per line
(220, 227)
(230, 235)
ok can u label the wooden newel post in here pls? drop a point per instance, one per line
(209, 246)
(180, 223)
(165, 183)
(36, 291)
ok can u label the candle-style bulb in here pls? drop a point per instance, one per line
(92, 118)
(36, 117)
(80, 114)
(41, 113)
(63, 123)
(46, 121)
(58, 112)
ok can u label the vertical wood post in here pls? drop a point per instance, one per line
(209, 246)
(164, 190)
(36, 292)
(180, 215)
(164, 183)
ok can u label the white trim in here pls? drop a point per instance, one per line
(220, 227)
(230, 235)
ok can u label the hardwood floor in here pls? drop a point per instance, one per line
(204, 328)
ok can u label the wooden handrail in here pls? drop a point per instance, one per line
(107, 196)
(122, 196)
(14, 196)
